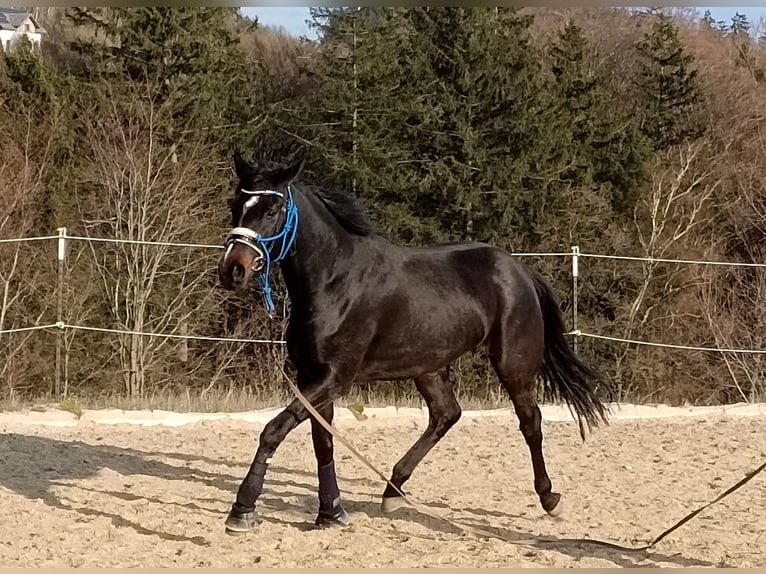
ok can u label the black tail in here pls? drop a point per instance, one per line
(564, 373)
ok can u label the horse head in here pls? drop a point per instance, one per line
(264, 221)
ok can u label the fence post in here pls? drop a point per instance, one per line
(575, 275)
(60, 306)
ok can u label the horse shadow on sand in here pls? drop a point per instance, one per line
(34, 466)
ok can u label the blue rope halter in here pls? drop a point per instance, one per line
(260, 244)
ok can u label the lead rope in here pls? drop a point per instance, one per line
(287, 235)
(531, 542)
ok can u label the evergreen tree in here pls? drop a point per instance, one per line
(740, 25)
(365, 112)
(28, 82)
(439, 119)
(38, 95)
(707, 20)
(604, 146)
(740, 34)
(188, 56)
(492, 144)
(669, 87)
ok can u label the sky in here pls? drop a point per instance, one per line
(293, 19)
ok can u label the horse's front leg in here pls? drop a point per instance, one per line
(242, 517)
(331, 512)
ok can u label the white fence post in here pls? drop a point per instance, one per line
(60, 305)
(575, 275)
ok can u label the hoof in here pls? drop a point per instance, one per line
(339, 518)
(241, 522)
(552, 504)
(391, 504)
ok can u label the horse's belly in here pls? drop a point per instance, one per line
(415, 345)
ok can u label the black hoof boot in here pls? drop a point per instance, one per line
(337, 517)
(241, 521)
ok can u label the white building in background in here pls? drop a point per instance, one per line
(14, 24)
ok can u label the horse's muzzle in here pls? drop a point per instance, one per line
(238, 265)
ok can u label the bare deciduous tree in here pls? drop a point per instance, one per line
(148, 188)
(675, 208)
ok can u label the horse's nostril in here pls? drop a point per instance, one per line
(237, 273)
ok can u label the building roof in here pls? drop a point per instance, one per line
(12, 18)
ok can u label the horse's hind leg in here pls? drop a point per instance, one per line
(331, 512)
(443, 413)
(519, 381)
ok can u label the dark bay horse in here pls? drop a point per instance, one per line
(364, 309)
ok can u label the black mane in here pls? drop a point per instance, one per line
(346, 211)
(343, 206)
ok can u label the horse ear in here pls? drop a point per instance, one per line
(291, 173)
(242, 168)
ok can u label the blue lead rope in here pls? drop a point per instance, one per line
(261, 244)
(287, 235)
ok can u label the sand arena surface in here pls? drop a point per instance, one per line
(110, 493)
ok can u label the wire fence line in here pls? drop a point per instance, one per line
(667, 345)
(666, 260)
(582, 254)
(171, 335)
(57, 326)
(28, 239)
(30, 328)
(575, 332)
(140, 242)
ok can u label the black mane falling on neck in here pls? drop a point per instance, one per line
(346, 211)
(343, 206)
